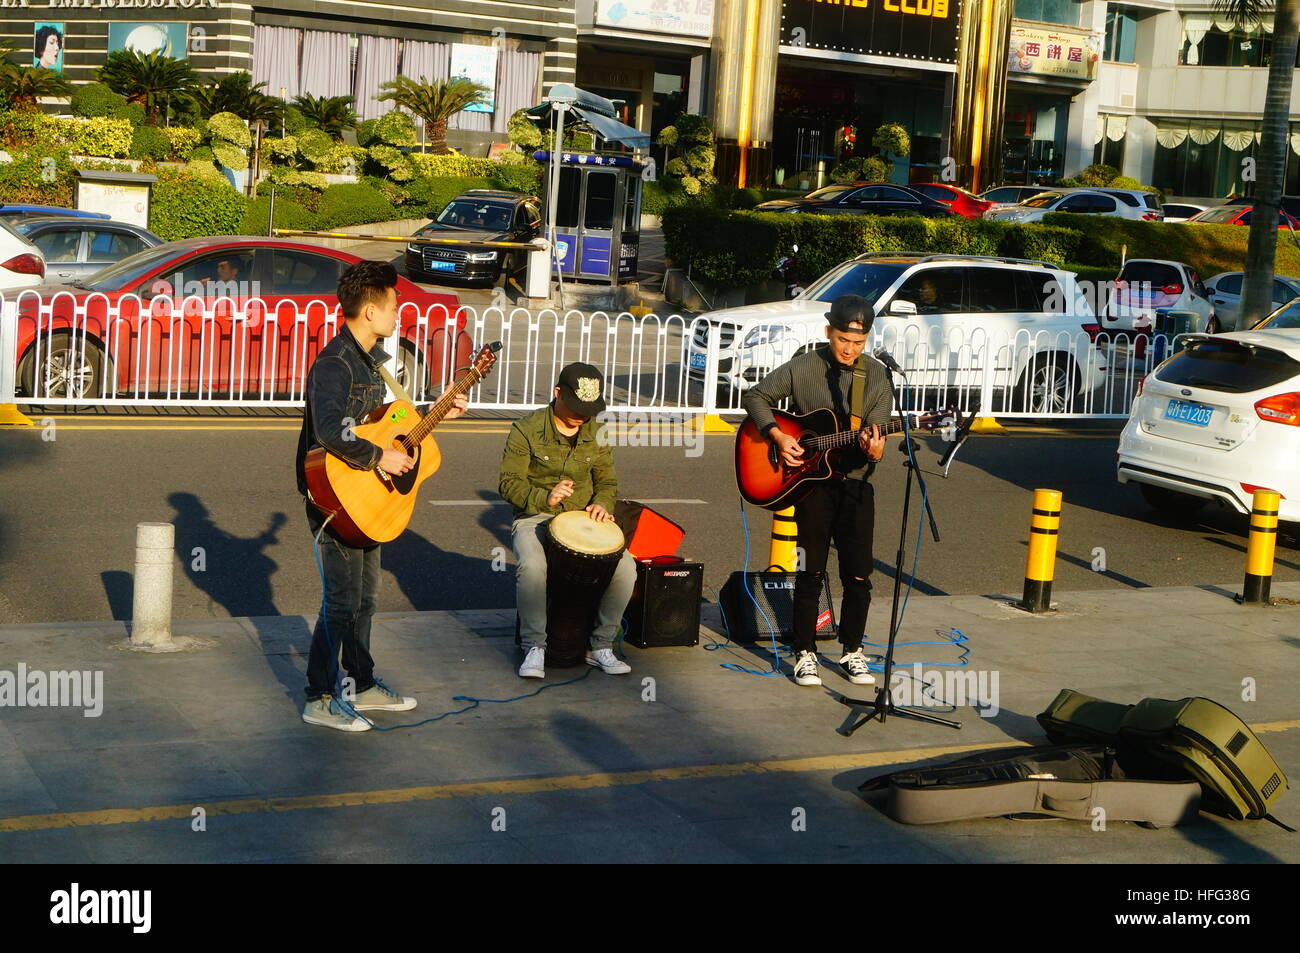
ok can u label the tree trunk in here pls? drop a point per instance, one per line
(438, 137)
(1256, 298)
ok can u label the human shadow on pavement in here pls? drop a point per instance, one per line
(496, 518)
(235, 573)
(435, 579)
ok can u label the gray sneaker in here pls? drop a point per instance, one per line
(328, 713)
(379, 697)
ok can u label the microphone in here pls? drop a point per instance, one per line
(884, 357)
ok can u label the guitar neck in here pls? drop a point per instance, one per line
(843, 438)
(442, 405)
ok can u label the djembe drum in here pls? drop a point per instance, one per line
(581, 556)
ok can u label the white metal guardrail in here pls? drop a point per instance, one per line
(97, 350)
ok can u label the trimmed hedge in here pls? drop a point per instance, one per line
(734, 249)
(186, 205)
(288, 214)
(351, 204)
(453, 165)
(431, 196)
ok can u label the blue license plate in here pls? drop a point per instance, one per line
(698, 361)
(1189, 413)
(442, 266)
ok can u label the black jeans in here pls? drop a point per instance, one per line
(351, 590)
(843, 511)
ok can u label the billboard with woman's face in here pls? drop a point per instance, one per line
(47, 46)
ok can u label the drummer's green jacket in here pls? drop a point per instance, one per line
(538, 456)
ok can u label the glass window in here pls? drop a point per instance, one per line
(1038, 292)
(631, 220)
(990, 290)
(1121, 35)
(830, 193)
(1101, 204)
(887, 194)
(1281, 292)
(1074, 203)
(1065, 12)
(59, 245)
(860, 278)
(1129, 200)
(1286, 317)
(935, 291)
(304, 273)
(566, 208)
(112, 246)
(600, 200)
(1231, 285)
(1041, 200)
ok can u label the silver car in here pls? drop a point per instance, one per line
(1225, 291)
(1083, 201)
(76, 248)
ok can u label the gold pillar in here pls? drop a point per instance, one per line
(744, 91)
(979, 100)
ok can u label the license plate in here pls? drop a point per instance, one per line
(442, 266)
(698, 361)
(1189, 413)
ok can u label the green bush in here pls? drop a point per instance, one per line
(434, 194)
(295, 122)
(657, 196)
(186, 205)
(518, 178)
(182, 140)
(453, 164)
(1097, 175)
(288, 214)
(366, 135)
(396, 128)
(734, 249)
(342, 159)
(353, 204)
(229, 128)
(101, 136)
(95, 99)
(149, 142)
(315, 146)
(523, 132)
(38, 176)
(231, 156)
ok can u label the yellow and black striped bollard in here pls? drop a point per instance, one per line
(1259, 550)
(785, 537)
(1040, 565)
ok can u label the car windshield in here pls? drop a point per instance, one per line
(124, 273)
(1287, 316)
(1225, 213)
(830, 193)
(869, 279)
(481, 216)
(1042, 199)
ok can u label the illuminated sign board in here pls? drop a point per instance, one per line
(910, 29)
(1053, 51)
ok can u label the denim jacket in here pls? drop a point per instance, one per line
(343, 387)
(537, 457)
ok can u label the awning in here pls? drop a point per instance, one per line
(596, 111)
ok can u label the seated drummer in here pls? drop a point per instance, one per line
(553, 463)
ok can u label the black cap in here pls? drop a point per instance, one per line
(583, 389)
(847, 310)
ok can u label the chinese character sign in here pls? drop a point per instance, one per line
(1054, 51)
(686, 17)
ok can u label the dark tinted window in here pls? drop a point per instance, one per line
(1225, 365)
(112, 246)
(936, 192)
(1101, 203)
(896, 195)
(600, 200)
(1150, 272)
(60, 245)
(866, 279)
(1038, 292)
(302, 273)
(1281, 293)
(1151, 200)
(934, 291)
(1231, 285)
(566, 209)
(1041, 200)
(1004, 194)
(830, 193)
(990, 290)
(1222, 215)
(1287, 317)
(1129, 200)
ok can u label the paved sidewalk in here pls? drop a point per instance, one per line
(718, 766)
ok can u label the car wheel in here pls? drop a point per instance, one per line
(407, 373)
(1046, 387)
(70, 369)
(1179, 506)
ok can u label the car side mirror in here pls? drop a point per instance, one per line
(899, 306)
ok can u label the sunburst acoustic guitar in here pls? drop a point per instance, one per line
(371, 506)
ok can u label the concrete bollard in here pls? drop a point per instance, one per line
(151, 604)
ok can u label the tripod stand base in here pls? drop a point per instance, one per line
(881, 708)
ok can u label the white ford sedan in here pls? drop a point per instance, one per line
(1216, 421)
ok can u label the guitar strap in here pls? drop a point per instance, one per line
(396, 388)
(858, 392)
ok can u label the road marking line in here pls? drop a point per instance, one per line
(569, 782)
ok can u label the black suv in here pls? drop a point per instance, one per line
(479, 215)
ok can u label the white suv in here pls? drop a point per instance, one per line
(1021, 328)
(1145, 285)
(1083, 201)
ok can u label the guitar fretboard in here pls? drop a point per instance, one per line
(843, 438)
(440, 407)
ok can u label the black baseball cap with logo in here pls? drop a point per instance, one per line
(847, 310)
(583, 388)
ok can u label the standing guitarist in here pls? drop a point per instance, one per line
(841, 508)
(344, 385)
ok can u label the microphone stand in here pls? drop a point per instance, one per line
(883, 704)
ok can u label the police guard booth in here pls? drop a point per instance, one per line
(592, 201)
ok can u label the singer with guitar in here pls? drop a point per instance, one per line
(344, 386)
(842, 508)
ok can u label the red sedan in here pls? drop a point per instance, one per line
(959, 200)
(224, 318)
(1238, 215)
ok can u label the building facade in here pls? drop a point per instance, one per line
(1164, 90)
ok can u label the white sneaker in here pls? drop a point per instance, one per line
(379, 697)
(855, 664)
(327, 712)
(534, 663)
(608, 662)
(805, 669)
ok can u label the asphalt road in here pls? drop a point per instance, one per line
(68, 509)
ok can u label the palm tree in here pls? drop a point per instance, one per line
(21, 86)
(435, 102)
(146, 79)
(1270, 170)
(330, 115)
(237, 93)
